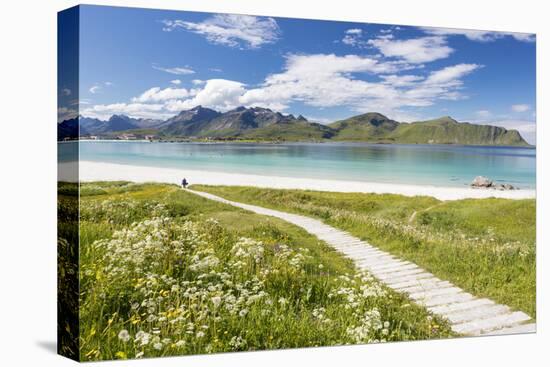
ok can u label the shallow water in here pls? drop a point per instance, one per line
(439, 165)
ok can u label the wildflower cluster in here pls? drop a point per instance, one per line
(170, 286)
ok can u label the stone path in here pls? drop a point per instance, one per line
(467, 314)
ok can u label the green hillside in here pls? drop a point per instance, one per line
(374, 127)
(446, 130)
(298, 131)
(366, 127)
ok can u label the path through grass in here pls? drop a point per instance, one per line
(485, 246)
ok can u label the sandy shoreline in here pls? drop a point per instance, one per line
(96, 171)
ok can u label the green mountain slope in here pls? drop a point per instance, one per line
(374, 127)
(296, 131)
(367, 127)
(446, 130)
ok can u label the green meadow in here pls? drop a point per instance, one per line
(165, 272)
(485, 246)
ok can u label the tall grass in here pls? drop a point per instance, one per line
(165, 272)
(486, 246)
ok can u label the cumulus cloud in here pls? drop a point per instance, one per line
(415, 50)
(520, 107)
(157, 94)
(361, 83)
(219, 94)
(175, 81)
(328, 80)
(479, 36)
(175, 70)
(135, 110)
(354, 37)
(240, 31)
(401, 80)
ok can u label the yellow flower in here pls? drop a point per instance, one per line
(121, 355)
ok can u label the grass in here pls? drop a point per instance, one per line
(165, 272)
(485, 246)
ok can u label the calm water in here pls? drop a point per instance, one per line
(408, 164)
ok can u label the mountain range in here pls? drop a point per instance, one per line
(263, 124)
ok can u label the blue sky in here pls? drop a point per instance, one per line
(153, 64)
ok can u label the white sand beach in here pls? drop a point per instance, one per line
(96, 171)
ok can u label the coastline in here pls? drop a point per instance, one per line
(97, 171)
(279, 142)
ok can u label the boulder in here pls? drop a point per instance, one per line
(481, 181)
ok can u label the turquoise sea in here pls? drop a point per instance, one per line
(439, 165)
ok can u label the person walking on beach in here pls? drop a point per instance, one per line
(184, 183)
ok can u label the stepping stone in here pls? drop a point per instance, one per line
(434, 293)
(410, 277)
(391, 265)
(477, 327)
(461, 306)
(478, 313)
(415, 283)
(395, 269)
(426, 286)
(447, 299)
(399, 274)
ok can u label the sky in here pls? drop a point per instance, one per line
(154, 63)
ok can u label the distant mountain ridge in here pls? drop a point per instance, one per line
(257, 123)
(375, 127)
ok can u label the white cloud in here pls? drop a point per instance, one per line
(198, 81)
(401, 80)
(451, 74)
(525, 37)
(319, 80)
(526, 128)
(354, 31)
(483, 113)
(175, 81)
(520, 107)
(135, 110)
(176, 70)
(479, 36)
(242, 31)
(219, 94)
(66, 91)
(95, 89)
(354, 37)
(416, 50)
(328, 80)
(157, 94)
